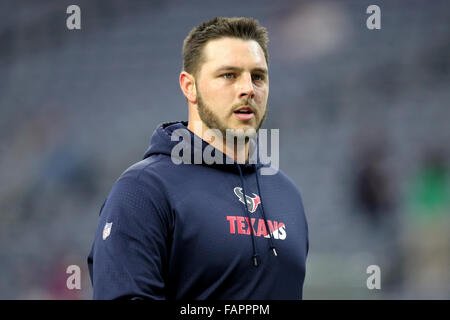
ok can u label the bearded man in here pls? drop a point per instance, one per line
(176, 226)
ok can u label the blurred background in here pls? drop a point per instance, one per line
(363, 117)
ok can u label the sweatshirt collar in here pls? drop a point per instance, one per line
(162, 143)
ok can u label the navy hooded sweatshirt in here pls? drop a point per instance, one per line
(183, 231)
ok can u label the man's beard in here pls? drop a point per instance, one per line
(211, 120)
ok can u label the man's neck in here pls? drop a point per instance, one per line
(234, 150)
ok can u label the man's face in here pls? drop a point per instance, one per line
(234, 75)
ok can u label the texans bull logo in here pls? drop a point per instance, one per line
(252, 203)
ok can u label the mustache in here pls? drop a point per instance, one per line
(248, 104)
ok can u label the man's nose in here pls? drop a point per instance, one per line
(246, 88)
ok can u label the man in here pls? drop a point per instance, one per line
(196, 229)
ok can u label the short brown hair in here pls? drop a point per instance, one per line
(216, 28)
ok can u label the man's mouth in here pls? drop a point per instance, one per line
(244, 113)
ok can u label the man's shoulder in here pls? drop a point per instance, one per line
(155, 165)
(149, 173)
(282, 178)
(271, 171)
(142, 182)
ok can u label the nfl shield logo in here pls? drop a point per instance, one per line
(107, 230)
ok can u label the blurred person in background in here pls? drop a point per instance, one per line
(427, 242)
(376, 199)
(373, 186)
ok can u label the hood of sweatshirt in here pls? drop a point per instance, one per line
(164, 141)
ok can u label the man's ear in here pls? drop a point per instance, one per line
(187, 85)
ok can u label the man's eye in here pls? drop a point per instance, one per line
(228, 75)
(257, 77)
